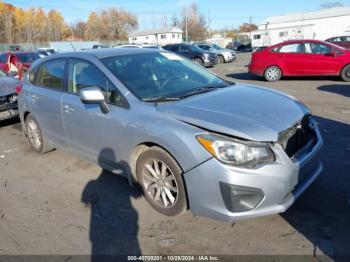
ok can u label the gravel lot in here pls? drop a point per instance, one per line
(59, 204)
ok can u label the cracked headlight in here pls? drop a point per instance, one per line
(13, 98)
(236, 152)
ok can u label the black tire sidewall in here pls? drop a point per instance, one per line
(158, 153)
(343, 73)
(198, 61)
(269, 80)
(41, 148)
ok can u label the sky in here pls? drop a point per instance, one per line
(223, 13)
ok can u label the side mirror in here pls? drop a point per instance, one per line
(94, 95)
(333, 54)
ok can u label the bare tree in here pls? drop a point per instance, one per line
(194, 21)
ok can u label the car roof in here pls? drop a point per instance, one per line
(98, 53)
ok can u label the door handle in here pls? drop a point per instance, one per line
(35, 98)
(68, 109)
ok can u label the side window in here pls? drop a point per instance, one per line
(184, 49)
(82, 74)
(293, 48)
(51, 74)
(3, 59)
(174, 48)
(32, 74)
(316, 48)
(347, 39)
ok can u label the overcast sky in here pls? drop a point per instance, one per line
(223, 13)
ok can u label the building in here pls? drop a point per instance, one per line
(320, 25)
(161, 36)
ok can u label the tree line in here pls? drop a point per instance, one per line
(18, 25)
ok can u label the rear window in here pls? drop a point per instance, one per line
(27, 57)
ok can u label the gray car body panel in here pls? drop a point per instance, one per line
(8, 85)
(242, 111)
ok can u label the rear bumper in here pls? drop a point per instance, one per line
(229, 193)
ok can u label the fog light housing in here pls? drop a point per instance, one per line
(239, 198)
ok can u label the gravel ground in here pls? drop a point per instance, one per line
(59, 204)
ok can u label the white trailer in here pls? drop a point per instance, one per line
(320, 25)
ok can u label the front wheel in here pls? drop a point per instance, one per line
(221, 59)
(198, 61)
(273, 73)
(161, 180)
(345, 73)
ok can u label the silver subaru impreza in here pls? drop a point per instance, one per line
(190, 139)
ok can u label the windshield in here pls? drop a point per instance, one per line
(27, 57)
(152, 75)
(217, 47)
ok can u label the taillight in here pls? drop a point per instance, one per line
(19, 88)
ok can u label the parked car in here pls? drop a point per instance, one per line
(18, 62)
(343, 41)
(238, 46)
(8, 96)
(224, 55)
(189, 138)
(301, 58)
(140, 46)
(194, 53)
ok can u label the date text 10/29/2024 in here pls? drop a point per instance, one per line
(173, 258)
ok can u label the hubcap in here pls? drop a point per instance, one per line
(273, 73)
(160, 183)
(34, 134)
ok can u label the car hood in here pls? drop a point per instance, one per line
(8, 85)
(248, 112)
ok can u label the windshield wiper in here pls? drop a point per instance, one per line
(204, 89)
(161, 99)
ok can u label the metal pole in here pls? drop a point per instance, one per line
(186, 24)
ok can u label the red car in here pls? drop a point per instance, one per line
(21, 60)
(301, 58)
(343, 41)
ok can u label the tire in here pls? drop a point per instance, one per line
(272, 74)
(165, 193)
(35, 137)
(198, 61)
(345, 73)
(221, 59)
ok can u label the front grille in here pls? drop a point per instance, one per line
(296, 138)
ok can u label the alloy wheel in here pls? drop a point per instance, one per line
(160, 183)
(34, 134)
(273, 73)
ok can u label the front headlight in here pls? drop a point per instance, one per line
(236, 152)
(13, 98)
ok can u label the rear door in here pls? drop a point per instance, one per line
(45, 99)
(320, 59)
(186, 52)
(292, 57)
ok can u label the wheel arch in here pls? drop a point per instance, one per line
(342, 68)
(139, 149)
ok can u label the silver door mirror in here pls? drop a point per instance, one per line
(94, 95)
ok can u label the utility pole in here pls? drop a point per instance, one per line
(209, 23)
(250, 27)
(186, 29)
